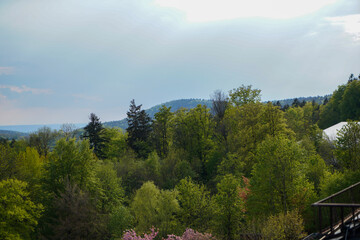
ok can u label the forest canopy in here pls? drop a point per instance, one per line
(239, 169)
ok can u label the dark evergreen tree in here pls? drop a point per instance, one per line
(139, 129)
(278, 104)
(296, 103)
(326, 101)
(285, 107)
(93, 132)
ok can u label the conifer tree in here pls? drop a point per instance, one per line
(93, 132)
(138, 130)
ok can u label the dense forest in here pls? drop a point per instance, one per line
(240, 169)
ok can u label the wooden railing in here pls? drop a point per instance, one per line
(338, 211)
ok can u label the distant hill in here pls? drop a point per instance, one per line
(175, 105)
(23, 130)
(191, 103)
(317, 99)
(7, 134)
(35, 127)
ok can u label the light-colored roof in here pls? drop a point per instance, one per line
(332, 131)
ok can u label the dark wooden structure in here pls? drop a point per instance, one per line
(338, 216)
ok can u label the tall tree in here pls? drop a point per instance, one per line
(220, 102)
(244, 95)
(196, 208)
(70, 161)
(18, 214)
(230, 208)
(43, 139)
(139, 129)
(160, 127)
(93, 132)
(77, 217)
(278, 183)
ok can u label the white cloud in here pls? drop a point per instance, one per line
(24, 88)
(7, 70)
(350, 23)
(214, 10)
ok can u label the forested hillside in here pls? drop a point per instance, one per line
(6, 134)
(175, 105)
(192, 103)
(237, 168)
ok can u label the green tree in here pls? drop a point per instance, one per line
(77, 216)
(348, 146)
(145, 206)
(42, 140)
(284, 226)
(8, 159)
(110, 193)
(70, 161)
(245, 132)
(93, 132)
(196, 207)
(30, 166)
(244, 95)
(343, 105)
(18, 214)
(115, 146)
(278, 183)
(192, 132)
(230, 208)
(153, 207)
(139, 129)
(120, 220)
(350, 104)
(160, 128)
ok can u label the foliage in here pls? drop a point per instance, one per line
(8, 159)
(18, 214)
(138, 130)
(120, 219)
(110, 193)
(42, 140)
(192, 132)
(278, 182)
(70, 161)
(30, 166)
(348, 146)
(116, 143)
(284, 226)
(160, 128)
(244, 95)
(230, 208)
(196, 207)
(77, 217)
(93, 132)
(153, 207)
(343, 105)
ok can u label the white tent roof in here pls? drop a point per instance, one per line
(332, 131)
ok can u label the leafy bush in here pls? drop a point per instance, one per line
(284, 226)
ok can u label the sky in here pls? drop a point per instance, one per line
(61, 60)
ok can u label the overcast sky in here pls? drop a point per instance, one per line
(60, 60)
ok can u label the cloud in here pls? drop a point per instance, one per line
(24, 88)
(7, 70)
(350, 23)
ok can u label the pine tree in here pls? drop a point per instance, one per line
(93, 132)
(139, 129)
